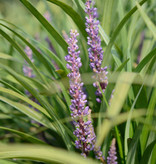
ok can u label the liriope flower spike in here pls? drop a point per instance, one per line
(26, 69)
(95, 50)
(111, 159)
(50, 45)
(80, 111)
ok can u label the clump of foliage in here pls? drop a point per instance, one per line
(78, 98)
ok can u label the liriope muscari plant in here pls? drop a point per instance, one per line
(81, 113)
(95, 51)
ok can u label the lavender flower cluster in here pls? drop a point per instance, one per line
(111, 159)
(85, 138)
(29, 72)
(95, 50)
(26, 69)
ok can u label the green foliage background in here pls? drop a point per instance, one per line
(128, 34)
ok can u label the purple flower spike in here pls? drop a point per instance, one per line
(47, 16)
(29, 73)
(26, 69)
(95, 50)
(111, 159)
(83, 126)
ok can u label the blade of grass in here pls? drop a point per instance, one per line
(147, 153)
(60, 128)
(46, 24)
(14, 44)
(127, 129)
(133, 146)
(54, 57)
(123, 34)
(25, 99)
(7, 57)
(119, 69)
(117, 30)
(51, 54)
(11, 87)
(153, 158)
(42, 153)
(73, 14)
(149, 118)
(121, 91)
(107, 15)
(113, 50)
(148, 22)
(41, 57)
(5, 116)
(24, 135)
(29, 112)
(6, 162)
(145, 60)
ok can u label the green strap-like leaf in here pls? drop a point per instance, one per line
(46, 24)
(149, 118)
(41, 57)
(122, 66)
(6, 162)
(147, 153)
(42, 47)
(73, 14)
(148, 22)
(59, 127)
(8, 57)
(14, 44)
(120, 94)
(29, 112)
(145, 60)
(118, 29)
(11, 87)
(27, 100)
(42, 153)
(23, 135)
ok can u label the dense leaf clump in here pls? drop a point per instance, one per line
(86, 95)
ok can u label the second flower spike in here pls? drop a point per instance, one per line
(95, 50)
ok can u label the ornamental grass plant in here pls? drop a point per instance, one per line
(77, 81)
